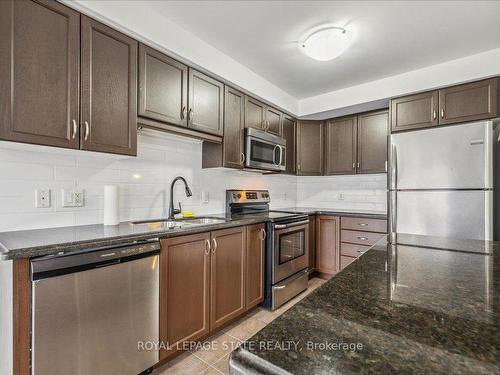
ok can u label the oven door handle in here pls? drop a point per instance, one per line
(283, 226)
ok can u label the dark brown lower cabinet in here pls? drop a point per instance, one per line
(312, 244)
(227, 275)
(327, 244)
(184, 289)
(255, 251)
(358, 234)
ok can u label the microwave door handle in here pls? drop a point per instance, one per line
(281, 155)
(274, 154)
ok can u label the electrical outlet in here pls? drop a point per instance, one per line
(341, 196)
(205, 196)
(42, 198)
(72, 198)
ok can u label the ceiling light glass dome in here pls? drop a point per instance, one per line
(326, 43)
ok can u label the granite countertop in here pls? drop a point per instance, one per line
(63, 240)
(38, 242)
(422, 306)
(336, 212)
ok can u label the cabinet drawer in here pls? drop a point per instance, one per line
(368, 225)
(352, 250)
(360, 238)
(345, 261)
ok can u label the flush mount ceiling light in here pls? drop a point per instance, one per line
(326, 43)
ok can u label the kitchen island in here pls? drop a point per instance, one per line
(423, 305)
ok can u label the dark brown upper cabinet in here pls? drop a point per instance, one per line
(451, 105)
(162, 87)
(260, 116)
(309, 148)
(415, 111)
(372, 142)
(206, 96)
(109, 89)
(234, 114)
(255, 113)
(340, 145)
(274, 121)
(289, 135)
(39, 73)
(469, 102)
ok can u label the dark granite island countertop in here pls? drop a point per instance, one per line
(336, 212)
(417, 307)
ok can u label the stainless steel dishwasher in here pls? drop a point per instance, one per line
(92, 310)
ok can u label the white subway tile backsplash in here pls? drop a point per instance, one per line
(144, 183)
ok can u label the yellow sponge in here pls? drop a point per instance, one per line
(187, 214)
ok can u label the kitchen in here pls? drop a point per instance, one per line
(311, 196)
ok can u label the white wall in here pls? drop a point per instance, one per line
(485, 64)
(6, 323)
(144, 182)
(145, 24)
(360, 192)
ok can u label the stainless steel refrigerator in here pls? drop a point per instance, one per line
(440, 181)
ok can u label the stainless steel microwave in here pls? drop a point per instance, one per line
(264, 151)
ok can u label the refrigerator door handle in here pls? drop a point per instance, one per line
(393, 168)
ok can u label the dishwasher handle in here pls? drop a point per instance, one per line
(59, 264)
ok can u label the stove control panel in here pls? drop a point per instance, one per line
(247, 196)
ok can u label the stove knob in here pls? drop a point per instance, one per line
(239, 196)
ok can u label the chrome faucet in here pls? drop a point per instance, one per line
(171, 210)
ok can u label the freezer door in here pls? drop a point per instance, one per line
(453, 157)
(455, 214)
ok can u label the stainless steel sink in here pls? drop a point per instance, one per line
(179, 223)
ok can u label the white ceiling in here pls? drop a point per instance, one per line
(389, 37)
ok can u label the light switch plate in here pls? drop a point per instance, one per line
(341, 196)
(42, 198)
(71, 198)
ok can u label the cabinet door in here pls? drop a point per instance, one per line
(162, 87)
(227, 275)
(274, 121)
(256, 235)
(232, 145)
(255, 113)
(469, 102)
(309, 148)
(340, 148)
(372, 142)
(414, 111)
(109, 90)
(184, 289)
(206, 97)
(312, 243)
(39, 73)
(289, 135)
(327, 244)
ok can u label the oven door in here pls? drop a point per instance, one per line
(262, 154)
(290, 249)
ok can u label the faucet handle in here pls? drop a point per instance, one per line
(180, 208)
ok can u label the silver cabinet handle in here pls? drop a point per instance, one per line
(353, 165)
(268, 126)
(386, 165)
(207, 247)
(183, 113)
(442, 112)
(362, 238)
(434, 115)
(87, 131)
(361, 251)
(362, 224)
(263, 234)
(190, 115)
(280, 287)
(215, 245)
(74, 129)
(358, 165)
(242, 158)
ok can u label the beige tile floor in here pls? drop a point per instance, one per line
(213, 359)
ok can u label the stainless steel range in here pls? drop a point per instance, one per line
(287, 258)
